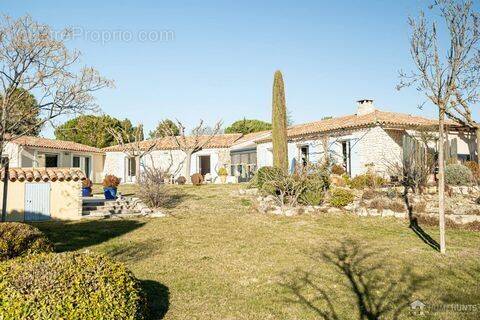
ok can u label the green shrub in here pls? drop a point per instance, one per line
(314, 192)
(458, 175)
(367, 180)
(312, 197)
(341, 197)
(19, 239)
(69, 286)
(265, 174)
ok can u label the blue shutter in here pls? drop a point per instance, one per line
(37, 201)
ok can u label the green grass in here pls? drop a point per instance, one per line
(214, 257)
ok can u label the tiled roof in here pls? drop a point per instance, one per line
(252, 136)
(43, 174)
(54, 144)
(354, 121)
(168, 143)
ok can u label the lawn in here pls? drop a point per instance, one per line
(214, 257)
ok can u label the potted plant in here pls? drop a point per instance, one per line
(87, 188)
(222, 173)
(110, 184)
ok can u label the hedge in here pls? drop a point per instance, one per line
(19, 239)
(69, 286)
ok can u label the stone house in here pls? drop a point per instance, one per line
(370, 138)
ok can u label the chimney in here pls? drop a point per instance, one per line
(365, 106)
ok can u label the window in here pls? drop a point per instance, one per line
(51, 160)
(76, 162)
(132, 167)
(87, 167)
(346, 155)
(304, 155)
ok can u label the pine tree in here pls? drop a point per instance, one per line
(279, 123)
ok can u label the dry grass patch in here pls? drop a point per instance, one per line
(218, 259)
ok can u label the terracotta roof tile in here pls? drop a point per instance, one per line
(43, 174)
(54, 144)
(354, 121)
(168, 143)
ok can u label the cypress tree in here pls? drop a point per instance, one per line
(279, 123)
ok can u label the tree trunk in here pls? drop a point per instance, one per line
(441, 178)
(188, 161)
(477, 133)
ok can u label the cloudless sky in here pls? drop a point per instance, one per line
(221, 61)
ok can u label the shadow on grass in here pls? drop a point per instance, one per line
(373, 288)
(173, 199)
(158, 299)
(69, 236)
(416, 228)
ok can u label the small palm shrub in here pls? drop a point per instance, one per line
(19, 239)
(458, 175)
(265, 174)
(181, 180)
(111, 181)
(314, 191)
(197, 179)
(367, 180)
(87, 183)
(341, 197)
(69, 286)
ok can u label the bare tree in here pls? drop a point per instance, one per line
(132, 144)
(200, 137)
(444, 79)
(35, 60)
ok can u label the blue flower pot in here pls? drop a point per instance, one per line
(110, 193)
(86, 192)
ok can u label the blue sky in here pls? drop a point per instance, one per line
(221, 61)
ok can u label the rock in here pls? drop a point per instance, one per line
(251, 191)
(146, 210)
(242, 192)
(270, 199)
(309, 209)
(387, 213)
(289, 212)
(157, 214)
(400, 215)
(277, 211)
(363, 212)
(334, 210)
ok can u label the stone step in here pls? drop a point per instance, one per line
(107, 203)
(113, 207)
(102, 212)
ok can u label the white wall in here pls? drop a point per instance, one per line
(173, 160)
(12, 150)
(115, 164)
(373, 145)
